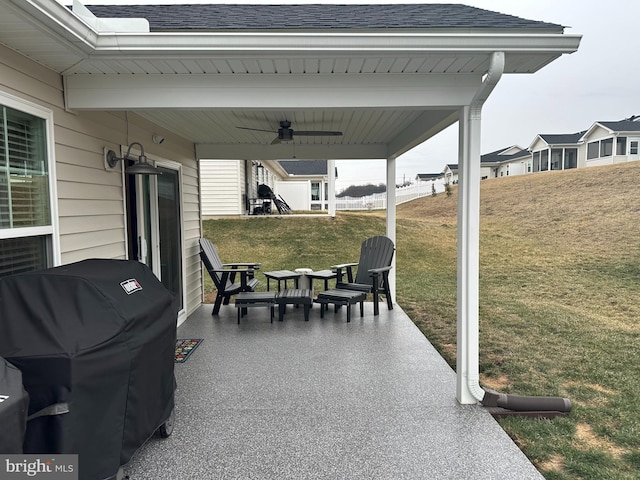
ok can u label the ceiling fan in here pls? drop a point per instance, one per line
(285, 132)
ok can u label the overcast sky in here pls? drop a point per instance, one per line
(601, 81)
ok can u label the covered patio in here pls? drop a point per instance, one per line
(322, 399)
(385, 78)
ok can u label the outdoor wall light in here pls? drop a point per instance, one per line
(141, 167)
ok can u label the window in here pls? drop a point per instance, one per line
(536, 161)
(593, 150)
(600, 148)
(315, 191)
(633, 148)
(556, 159)
(621, 146)
(606, 147)
(25, 207)
(544, 160)
(570, 158)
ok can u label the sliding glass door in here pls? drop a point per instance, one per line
(155, 236)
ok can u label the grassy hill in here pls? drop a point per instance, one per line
(559, 281)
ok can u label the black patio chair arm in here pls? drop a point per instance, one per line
(345, 266)
(380, 269)
(255, 266)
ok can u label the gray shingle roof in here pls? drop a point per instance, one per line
(203, 17)
(304, 167)
(562, 138)
(497, 156)
(622, 126)
(428, 176)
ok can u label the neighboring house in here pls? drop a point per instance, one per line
(450, 174)
(427, 177)
(606, 143)
(230, 187)
(556, 152)
(306, 184)
(504, 162)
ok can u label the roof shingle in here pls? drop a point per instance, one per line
(207, 17)
(304, 167)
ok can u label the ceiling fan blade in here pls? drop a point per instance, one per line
(317, 133)
(255, 129)
(275, 141)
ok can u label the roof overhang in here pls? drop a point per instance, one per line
(388, 91)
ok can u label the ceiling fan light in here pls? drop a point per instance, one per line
(285, 134)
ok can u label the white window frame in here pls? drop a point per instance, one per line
(52, 229)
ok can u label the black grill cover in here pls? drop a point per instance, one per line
(99, 335)
(14, 403)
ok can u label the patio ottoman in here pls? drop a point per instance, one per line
(294, 296)
(339, 298)
(254, 299)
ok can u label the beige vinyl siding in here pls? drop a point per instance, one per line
(598, 133)
(539, 145)
(221, 184)
(90, 200)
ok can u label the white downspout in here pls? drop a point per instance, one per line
(469, 390)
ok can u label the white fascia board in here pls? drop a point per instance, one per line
(265, 91)
(59, 23)
(537, 138)
(329, 42)
(277, 168)
(291, 151)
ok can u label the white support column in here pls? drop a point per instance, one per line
(331, 194)
(391, 218)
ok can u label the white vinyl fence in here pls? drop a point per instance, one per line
(378, 201)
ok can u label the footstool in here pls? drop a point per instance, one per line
(294, 296)
(339, 298)
(254, 299)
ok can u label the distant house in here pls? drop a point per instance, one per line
(428, 177)
(306, 184)
(606, 143)
(513, 160)
(556, 152)
(450, 173)
(230, 187)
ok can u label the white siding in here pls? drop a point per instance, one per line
(297, 194)
(221, 183)
(90, 199)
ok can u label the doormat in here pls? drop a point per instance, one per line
(185, 347)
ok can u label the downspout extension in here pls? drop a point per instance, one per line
(526, 404)
(490, 398)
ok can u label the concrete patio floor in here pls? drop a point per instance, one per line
(324, 399)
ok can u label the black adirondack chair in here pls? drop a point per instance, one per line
(224, 275)
(372, 272)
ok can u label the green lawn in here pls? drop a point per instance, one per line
(559, 289)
